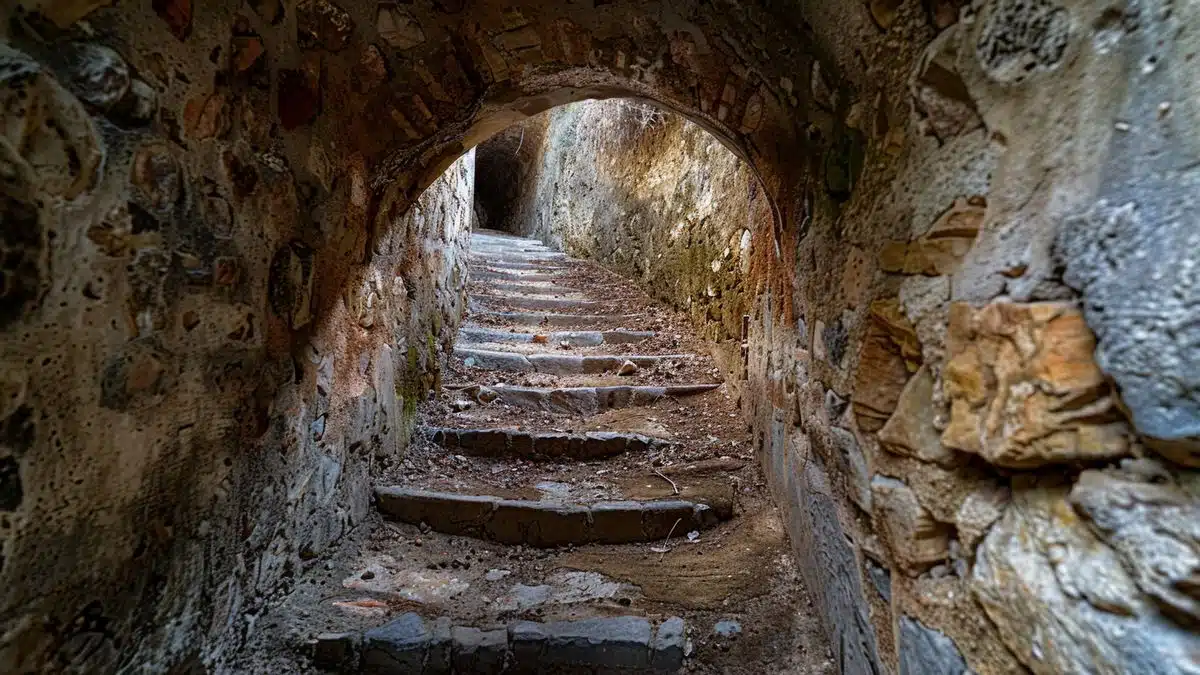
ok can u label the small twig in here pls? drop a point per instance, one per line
(668, 539)
(673, 485)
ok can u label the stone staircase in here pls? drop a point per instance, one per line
(583, 390)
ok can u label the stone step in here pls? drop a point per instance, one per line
(527, 289)
(541, 445)
(493, 275)
(514, 266)
(487, 249)
(554, 319)
(535, 303)
(410, 645)
(545, 524)
(538, 259)
(556, 364)
(586, 338)
(582, 400)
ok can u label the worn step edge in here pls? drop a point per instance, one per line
(541, 445)
(544, 524)
(526, 302)
(554, 319)
(520, 258)
(580, 400)
(516, 265)
(519, 289)
(557, 364)
(532, 277)
(410, 644)
(592, 338)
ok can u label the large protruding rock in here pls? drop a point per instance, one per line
(1023, 388)
(1064, 602)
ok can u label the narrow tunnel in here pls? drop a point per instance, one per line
(395, 337)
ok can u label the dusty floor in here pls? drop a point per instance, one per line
(740, 570)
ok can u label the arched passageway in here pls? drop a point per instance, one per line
(207, 235)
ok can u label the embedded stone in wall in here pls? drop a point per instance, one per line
(98, 75)
(941, 250)
(157, 179)
(925, 651)
(177, 14)
(1021, 38)
(22, 256)
(1131, 262)
(51, 142)
(1062, 600)
(291, 281)
(940, 98)
(916, 540)
(207, 116)
(910, 431)
(299, 95)
(890, 351)
(979, 509)
(322, 24)
(398, 27)
(1024, 390)
(854, 463)
(1151, 517)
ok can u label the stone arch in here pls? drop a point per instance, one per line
(191, 401)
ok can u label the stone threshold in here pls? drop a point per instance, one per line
(473, 334)
(545, 524)
(559, 320)
(409, 645)
(580, 400)
(556, 364)
(541, 445)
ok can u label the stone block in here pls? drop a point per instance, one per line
(916, 540)
(605, 443)
(538, 524)
(670, 643)
(910, 431)
(527, 640)
(617, 523)
(444, 512)
(398, 647)
(439, 659)
(478, 651)
(337, 651)
(1024, 390)
(552, 445)
(609, 643)
(924, 651)
(521, 444)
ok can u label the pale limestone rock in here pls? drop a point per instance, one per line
(916, 540)
(1152, 519)
(1062, 601)
(979, 509)
(910, 431)
(1023, 388)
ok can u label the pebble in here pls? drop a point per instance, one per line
(727, 628)
(496, 575)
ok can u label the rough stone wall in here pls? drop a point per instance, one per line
(947, 371)
(647, 193)
(951, 395)
(179, 439)
(952, 186)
